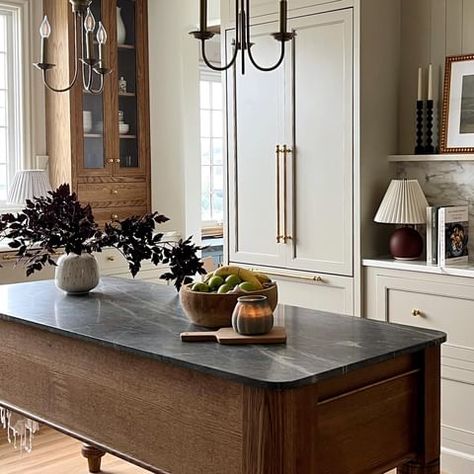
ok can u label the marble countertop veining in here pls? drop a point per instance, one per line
(146, 319)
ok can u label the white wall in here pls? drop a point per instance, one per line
(174, 92)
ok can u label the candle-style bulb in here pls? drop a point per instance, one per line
(45, 28)
(89, 22)
(101, 34)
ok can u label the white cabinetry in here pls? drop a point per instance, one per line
(444, 303)
(260, 8)
(294, 211)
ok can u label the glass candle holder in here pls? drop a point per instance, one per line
(252, 316)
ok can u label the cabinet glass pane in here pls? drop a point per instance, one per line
(93, 115)
(127, 69)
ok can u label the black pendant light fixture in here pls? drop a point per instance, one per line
(242, 40)
(84, 58)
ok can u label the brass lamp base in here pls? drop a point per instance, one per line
(80, 6)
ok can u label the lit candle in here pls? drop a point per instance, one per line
(430, 82)
(45, 32)
(420, 84)
(252, 316)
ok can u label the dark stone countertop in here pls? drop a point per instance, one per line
(146, 319)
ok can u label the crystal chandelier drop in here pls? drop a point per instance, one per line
(84, 56)
(243, 40)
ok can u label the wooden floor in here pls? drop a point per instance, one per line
(54, 453)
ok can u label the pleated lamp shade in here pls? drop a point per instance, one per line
(28, 184)
(403, 203)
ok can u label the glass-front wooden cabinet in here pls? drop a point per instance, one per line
(108, 133)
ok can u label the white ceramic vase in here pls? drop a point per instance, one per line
(121, 32)
(77, 274)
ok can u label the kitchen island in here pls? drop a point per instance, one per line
(343, 396)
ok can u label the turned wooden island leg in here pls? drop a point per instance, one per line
(427, 461)
(93, 456)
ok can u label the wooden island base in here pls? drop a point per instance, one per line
(181, 421)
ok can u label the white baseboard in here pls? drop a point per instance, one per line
(456, 462)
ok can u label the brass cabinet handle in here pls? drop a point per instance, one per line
(115, 191)
(416, 312)
(114, 217)
(279, 237)
(110, 161)
(286, 151)
(313, 278)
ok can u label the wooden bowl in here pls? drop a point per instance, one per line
(214, 310)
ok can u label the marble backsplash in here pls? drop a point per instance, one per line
(445, 183)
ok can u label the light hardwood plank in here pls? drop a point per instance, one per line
(54, 453)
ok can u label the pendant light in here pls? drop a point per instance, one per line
(243, 41)
(84, 57)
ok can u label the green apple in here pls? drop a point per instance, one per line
(233, 280)
(225, 288)
(200, 288)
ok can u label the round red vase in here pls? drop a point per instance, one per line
(406, 244)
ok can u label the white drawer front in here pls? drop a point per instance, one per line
(319, 292)
(429, 304)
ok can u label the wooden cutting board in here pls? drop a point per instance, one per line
(228, 336)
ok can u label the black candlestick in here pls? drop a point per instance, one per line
(419, 149)
(429, 149)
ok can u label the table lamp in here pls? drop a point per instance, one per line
(404, 203)
(28, 184)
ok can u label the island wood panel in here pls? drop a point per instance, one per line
(176, 420)
(151, 413)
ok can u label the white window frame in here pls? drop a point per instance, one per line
(212, 76)
(20, 119)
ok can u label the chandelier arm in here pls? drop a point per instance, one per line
(76, 66)
(249, 43)
(101, 87)
(236, 48)
(271, 68)
(212, 66)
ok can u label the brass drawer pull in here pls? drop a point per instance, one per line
(111, 258)
(416, 313)
(114, 217)
(313, 278)
(115, 191)
(110, 161)
(9, 258)
(117, 160)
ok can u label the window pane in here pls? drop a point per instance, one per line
(205, 151)
(217, 95)
(3, 145)
(3, 71)
(205, 123)
(205, 95)
(3, 33)
(217, 178)
(205, 194)
(3, 182)
(217, 151)
(217, 125)
(218, 206)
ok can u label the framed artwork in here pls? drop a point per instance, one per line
(457, 121)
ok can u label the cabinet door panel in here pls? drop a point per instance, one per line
(321, 171)
(255, 127)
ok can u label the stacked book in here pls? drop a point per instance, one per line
(447, 235)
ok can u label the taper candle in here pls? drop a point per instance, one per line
(430, 82)
(45, 32)
(203, 19)
(420, 84)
